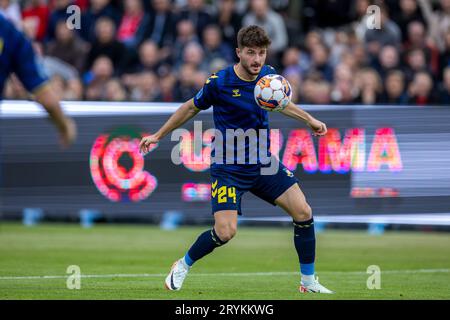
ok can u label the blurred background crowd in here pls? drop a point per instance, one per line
(163, 50)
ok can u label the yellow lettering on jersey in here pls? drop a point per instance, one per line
(232, 193)
(222, 198)
(213, 189)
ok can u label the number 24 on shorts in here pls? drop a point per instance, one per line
(224, 193)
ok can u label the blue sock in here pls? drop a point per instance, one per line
(188, 260)
(204, 244)
(305, 244)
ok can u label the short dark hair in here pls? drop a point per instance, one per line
(253, 36)
(396, 72)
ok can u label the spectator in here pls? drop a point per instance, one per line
(388, 34)
(106, 44)
(313, 38)
(229, 21)
(199, 79)
(134, 23)
(444, 60)
(146, 89)
(63, 76)
(394, 88)
(307, 92)
(149, 57)
(320, 62)
(409, 12)
(417, 40)
(196, 13)
(74, 90)
(291, 61)
(185, 34)
(438, 22)
(97, 9)
(326, 65)
(415, 62)
(58, 13)
(149, 61)
(54, 66)
(114, 91)
(67, 89)
(343, 90)
(97, 78)
(194, 56)
(241, 6)
(161, 26)
(214, 47)
(339, 44)
(355, 57)
(36, 14)
(217, 65)
(83, 4)
(370, 87)
(68, 47)
(321, 93)
(185, 88)
(167, 89)
(359, 26)
(421, 90)
(11, 11)
(388, 59)
(29, 30)
(295, 79)
(262, 15)
(444, 92)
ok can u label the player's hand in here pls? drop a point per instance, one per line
(68, 134)
(147, 142)
(318, 127)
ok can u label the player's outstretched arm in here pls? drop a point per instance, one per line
(185, 112)
(318, 127)
(65, 125)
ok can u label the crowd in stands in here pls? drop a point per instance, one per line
(164, 50)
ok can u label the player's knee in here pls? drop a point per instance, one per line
(226, 231)
(305, 212)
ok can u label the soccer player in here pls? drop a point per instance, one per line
(230, 92)
(17, 56)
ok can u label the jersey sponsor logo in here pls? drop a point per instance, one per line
(236, 93)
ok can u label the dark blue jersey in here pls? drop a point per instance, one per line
(235, 108)
(17, 56)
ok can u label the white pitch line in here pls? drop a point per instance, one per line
(232, 274)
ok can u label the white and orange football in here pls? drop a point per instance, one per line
(273, 92)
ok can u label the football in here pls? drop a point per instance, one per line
(273, 92)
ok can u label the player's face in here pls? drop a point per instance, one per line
(252, 59)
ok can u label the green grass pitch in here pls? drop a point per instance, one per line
(130, 262)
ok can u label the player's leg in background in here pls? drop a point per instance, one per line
(225, 203)
(224, 230)
(293, 201)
